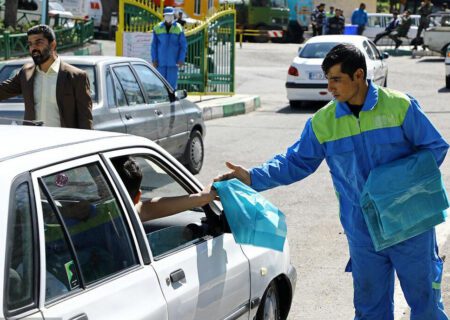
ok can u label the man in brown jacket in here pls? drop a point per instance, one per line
(54, 92)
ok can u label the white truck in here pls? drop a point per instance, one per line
(85, 9)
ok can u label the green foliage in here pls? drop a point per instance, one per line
(383, 6)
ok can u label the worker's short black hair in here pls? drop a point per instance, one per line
(350, 58)
(43, 29)
(130, 173)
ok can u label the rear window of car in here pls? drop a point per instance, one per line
(317, 50)
(9, 71)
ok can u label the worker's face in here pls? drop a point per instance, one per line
(168, 18)
(39, 48)
(341, 85)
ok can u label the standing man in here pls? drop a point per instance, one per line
(365, 126)
(425, 9)
(168, 47)
(336, 24)
(359, 18)
(318, 19)
(390, 27)
(53, 91)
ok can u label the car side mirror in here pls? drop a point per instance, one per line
(181, 94)
(384, 55)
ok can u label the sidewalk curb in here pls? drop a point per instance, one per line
(232, 108)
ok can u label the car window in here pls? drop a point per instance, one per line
(129, 85)
(368, 50)
(118, 91)
(317, 50)
(175, 232)
(376, 21)
(154, 88)
(20, 280)
(7, 72)
(110, 92)
(86, 235)
(375, 50)
(10, 71)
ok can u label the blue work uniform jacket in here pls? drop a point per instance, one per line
(359, 17)
(168, 47)
(391, 125)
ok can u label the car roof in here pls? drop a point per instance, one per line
(87, 60)
(337, 38)
(21, 140)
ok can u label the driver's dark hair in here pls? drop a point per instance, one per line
(43, 29)
(130, 173)
(349, 56)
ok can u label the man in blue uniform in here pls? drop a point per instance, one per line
(360, 18)
(168, 47)
(364, 127)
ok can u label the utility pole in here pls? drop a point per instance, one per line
(44, 12)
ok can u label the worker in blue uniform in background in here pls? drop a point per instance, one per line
(168, 47)
(365, 126)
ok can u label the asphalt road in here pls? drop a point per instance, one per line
(318, 245)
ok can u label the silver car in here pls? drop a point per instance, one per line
(130, 96)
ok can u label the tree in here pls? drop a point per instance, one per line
(11, 13)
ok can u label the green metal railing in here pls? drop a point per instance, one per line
(15, 45)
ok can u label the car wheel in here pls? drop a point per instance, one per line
(269, 309)
(295, 104)
(447, 82)
(194, 152)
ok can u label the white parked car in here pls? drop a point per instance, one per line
(306, 80)
(437, 36)
(72, 246)
(447, 68)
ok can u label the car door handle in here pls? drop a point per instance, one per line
(177, 276)
(82, 316)
(128, 116)
(158, 112)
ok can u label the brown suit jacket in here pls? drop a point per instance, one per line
(72, 94)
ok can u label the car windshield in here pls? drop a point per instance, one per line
(9, 71)
(316, 50)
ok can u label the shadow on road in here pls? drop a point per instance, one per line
(444, 90)
(435, 59)
(308, 107)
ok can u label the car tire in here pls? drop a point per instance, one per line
(194, 153)
(270, 304)
(447, 82)
(295, 104)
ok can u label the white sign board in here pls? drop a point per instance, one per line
(137, 44)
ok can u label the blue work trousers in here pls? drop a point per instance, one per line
(170, 74)
(419, 269)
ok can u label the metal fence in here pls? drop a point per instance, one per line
(209, 65)
(15, 45)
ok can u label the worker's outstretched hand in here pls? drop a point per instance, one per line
(237, 172)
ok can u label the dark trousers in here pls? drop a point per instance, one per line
(317, 30)
(381, 35)
(361, 29)
(394, 36)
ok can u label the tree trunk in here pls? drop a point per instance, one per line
(108, 6)
(11, 13)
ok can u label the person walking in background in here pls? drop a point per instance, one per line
(318, 19)
(364, 127)
(425, 9)
(168, 49)
(390, 27)
(402, 29)
(336, 24)
(359, 18)
(180, 18)
(53, 91)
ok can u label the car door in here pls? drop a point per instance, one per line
(382, 74)
(172, 120)
(139, 118)
(374, 70)
(91, 264)
(203, 273)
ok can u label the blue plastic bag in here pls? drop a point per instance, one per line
(403, 198)
(252, 219)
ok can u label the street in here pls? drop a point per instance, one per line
(318, 246)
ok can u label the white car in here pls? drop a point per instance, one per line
(72, 246)
(447, 68)
(306, 80)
